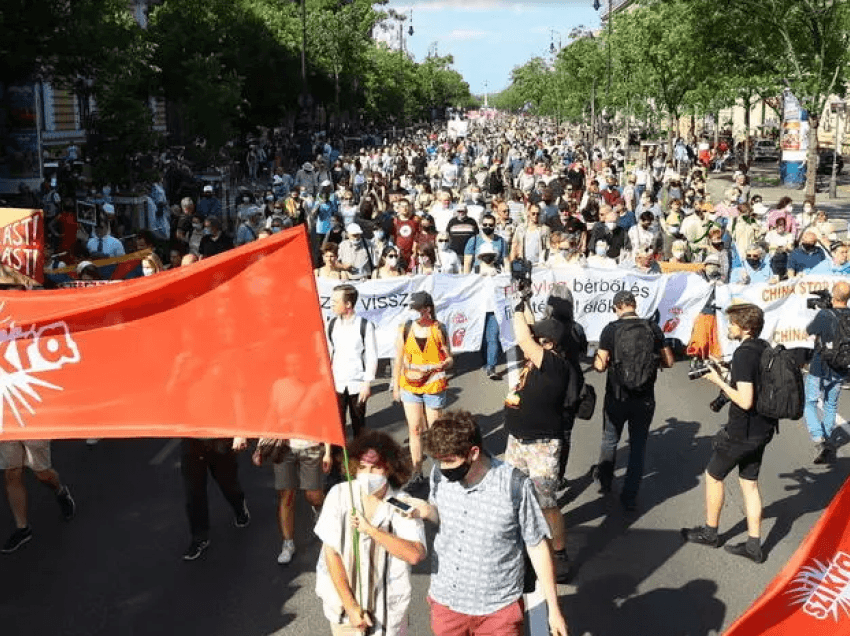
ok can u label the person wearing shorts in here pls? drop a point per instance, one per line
(35, 455)
(419, 378)
(302, 467)
(741, 442)
(534, 420)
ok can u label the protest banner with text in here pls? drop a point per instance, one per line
(22, 241)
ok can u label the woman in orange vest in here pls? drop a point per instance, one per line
(419, 375)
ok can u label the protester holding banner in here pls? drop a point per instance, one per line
(742, 441)
(368, 543)
(423, 354)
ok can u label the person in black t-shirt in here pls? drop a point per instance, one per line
(533, 419)
(635, 406)
(742, 441)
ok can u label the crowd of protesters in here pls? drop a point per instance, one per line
(430, 203)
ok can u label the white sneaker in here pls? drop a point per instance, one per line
(286, 553)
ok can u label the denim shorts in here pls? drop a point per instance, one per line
(430, 400)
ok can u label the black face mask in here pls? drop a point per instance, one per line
(458, 472)
(754, 262)
(488, 230)
(717, 245)
(809, 247)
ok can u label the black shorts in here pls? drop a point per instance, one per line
(730, 452)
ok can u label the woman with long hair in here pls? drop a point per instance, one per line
(423, 355)
(367, 589)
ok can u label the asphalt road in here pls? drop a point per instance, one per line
(116, 570)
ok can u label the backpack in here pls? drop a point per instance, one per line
(836, 354)
(363, 324)
(636, 361)
(518, 478)
(780, 394)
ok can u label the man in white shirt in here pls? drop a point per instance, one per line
(442, 211)
(103, 244)
(354, 356)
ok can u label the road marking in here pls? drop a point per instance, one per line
(166, 450)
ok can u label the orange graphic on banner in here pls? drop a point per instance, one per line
(232, 345)
(811, 595)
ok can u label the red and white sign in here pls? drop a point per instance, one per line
(22, 241)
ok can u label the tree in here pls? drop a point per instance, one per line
(812, 38)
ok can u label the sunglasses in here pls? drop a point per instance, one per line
(488, 225)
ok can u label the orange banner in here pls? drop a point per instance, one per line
(811, 595)
(232, 345)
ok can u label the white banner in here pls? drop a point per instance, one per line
(461, 303)
(675, 300)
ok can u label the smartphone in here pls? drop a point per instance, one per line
(404, 508)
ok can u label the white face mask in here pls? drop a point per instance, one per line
(147, 270)
(601, 250)
(678, 254)
(371, 482)
(610, 225)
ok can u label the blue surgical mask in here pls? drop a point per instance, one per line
(207, 231)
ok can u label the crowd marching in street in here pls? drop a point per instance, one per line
(512, 195)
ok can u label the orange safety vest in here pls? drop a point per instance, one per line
(420, 361)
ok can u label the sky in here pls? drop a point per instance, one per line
(488, 38)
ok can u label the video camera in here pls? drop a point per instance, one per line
(822, 300)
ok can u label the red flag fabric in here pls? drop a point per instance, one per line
(22, 241)
(232, 345)
(811, 595)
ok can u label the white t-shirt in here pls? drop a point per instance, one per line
(335, 531)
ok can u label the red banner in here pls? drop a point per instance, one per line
(811, 595)
(22, 241)
(232, 345)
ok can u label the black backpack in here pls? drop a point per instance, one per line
(836, 354)
(780, 393)
(635, 363)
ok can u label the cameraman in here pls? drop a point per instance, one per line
(742, 441)
(823, 381)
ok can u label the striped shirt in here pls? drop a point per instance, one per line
(477, 566)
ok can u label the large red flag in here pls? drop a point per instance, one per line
(233, 345)
(811, 595)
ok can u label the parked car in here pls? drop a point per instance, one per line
(764, 149)
(825, 161)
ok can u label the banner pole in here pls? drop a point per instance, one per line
(356, 535)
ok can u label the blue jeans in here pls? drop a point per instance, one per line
(828, 387)
(638, 412)
(490, 346)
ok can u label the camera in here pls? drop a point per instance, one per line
(719, 402)
(699, 368)
(822, 300)
(521, 275)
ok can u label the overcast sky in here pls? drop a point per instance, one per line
(488, 38)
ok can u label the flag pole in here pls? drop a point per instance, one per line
(356, 535)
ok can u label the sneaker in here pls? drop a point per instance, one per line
(563, 567)
(824, 453)
(418, 486)
(19, 537)
(700, 535)
(286, 553)
(243, 517)
(604, 482)
(490, 372)
(740, 549)
(92, 441)
(629, 503)
(66, 503)
(196, 549)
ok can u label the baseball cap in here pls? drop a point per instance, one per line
(624, 298)
(550, 329)
(208, 188)
(353, 228)
(486, 248)
(307, 166)
(83, 264)
(421, 299)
